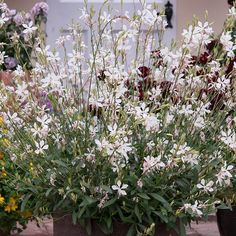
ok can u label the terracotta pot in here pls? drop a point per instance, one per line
(226, 221)
(7, 77)
(62, 225)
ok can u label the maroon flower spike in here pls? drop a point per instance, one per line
(217, 101)
(193, 60)
(204, 57)
(144, 71)
(165, 88)
(141, 94)
(214, 43)
(156, 54)
(101, 75)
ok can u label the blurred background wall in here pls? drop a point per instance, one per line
(186, 9)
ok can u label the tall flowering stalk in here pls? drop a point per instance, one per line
(107, 138)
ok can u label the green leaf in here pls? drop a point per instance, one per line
(182, 228)
(87, 201)
(60, 163)
(88, 227)
(131, 231)
(109, 223)
(137, 213)
(26, 199)
(81, 211)
(106, 188)
(110, 202)
(48, 192)
(161, 216)
(144, 196)
(162, 200)
(74, 217)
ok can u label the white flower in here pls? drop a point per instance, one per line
(44, 120)
(226, 40)
(152, 163)
(105, 146)
(2, 56)
(180, 149)
(19, 72)
(151, 123)
(120, 188)
(232, 12)
(3, 19)
(105, 17)
(228, 138)
(186, 110)
(193, 209)
(207, 187)
(224, 175)
(41, 147)
(29, 30)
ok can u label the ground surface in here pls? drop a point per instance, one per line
(201, 229)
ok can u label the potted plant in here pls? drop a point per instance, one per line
(18, 34)
(114, 146)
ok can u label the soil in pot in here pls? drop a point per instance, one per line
(63, 226)
(226, 221)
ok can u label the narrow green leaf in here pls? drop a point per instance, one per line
(131, 231)
(144, 196)
(110, 202)
(48, 192)
(137, 213)
(81, 211)
(23, 204)
(182, 228)
(74, 217)
(162, 200)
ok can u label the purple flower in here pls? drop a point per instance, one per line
(11, 13)
(40, 8)
(19, 19)
(10, 63)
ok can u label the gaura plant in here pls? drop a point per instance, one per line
(142, 141)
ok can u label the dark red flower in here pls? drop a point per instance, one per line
(204, 57)
(213, 44)
(165, 88)
(144, 71)
(101, 75)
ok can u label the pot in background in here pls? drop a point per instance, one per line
(226, 221)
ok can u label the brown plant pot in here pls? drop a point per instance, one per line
(7, 77)
(62, 225)
(226, 221)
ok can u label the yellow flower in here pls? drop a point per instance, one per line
(7, 208)
(6, 142)
(3, 173)
(1, 120)
(2, 199)
(11, 206)
(5, 131)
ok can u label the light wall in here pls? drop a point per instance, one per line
(186, 9)
(22, 5)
